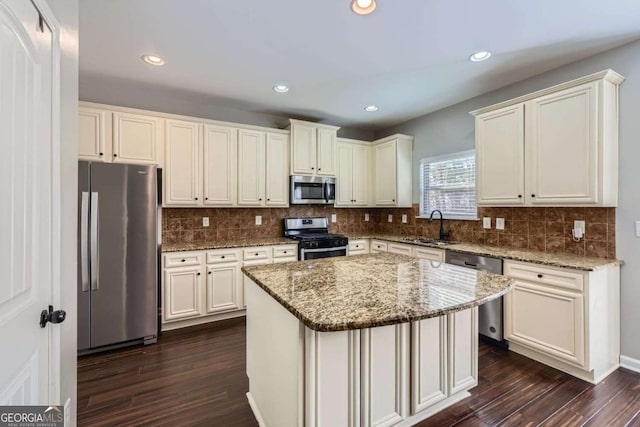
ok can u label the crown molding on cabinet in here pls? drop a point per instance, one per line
(607, 75)
(391, 138)
(318, 125)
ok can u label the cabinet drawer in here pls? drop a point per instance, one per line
(258, 253)
(545, 275)
(285, 251)
(428, 253)
(223, 255)
(358, 247)
(378, 246)
(396, 248)
(181, 259)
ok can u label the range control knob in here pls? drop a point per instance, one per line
(313, 244)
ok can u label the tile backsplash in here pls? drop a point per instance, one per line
(542, 229)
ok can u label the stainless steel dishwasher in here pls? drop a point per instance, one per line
(490, 320)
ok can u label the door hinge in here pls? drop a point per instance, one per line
(51, 316)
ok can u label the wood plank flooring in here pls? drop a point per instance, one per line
(196, 377)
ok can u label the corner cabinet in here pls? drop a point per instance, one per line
(555, 147)
(393, 171)
(313, 148)
(352, 177)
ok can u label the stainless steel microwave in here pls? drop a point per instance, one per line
(312, 190)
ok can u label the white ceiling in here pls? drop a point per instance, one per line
(409, 57)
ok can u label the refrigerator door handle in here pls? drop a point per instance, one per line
(94, 241)
(84, 241)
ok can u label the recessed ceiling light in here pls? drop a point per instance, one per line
(363, 7)
(281, 88)
(153, 59)
(483, 55)
(371, 108)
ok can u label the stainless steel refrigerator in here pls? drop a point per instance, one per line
(117, 255)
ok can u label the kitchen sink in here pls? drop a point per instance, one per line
(425, 241)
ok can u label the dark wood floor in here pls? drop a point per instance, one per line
(196, 377)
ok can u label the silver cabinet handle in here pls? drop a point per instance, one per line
(84, 241)
(94, 242)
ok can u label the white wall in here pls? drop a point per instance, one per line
(66, 11)
(452, 129)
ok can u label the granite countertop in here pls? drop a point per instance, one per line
(344, 293)
(226, 244)
(574, 262)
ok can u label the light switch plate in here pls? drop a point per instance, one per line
(390, 218)
(499, 223)
(334, 218)
(486, 222)
(366, 217)
(404, 219)
(205, 221)
(258, 219)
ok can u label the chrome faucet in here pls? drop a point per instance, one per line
(443, 235)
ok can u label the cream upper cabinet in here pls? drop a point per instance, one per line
(137, 138)
(500, 157)
(220, 165)
(182, 179)
(392, 171)
(94, 134)
(554, 147)
(251, 168)
(277, 170)
(313, 148)
(352, 173)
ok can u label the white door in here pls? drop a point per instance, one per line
(182, 172)
(500, 157)
(277, 170)
(94, 134)
(137, 139)
(251, 168)
(360, 175)
(220, 165)
(303, 149)
(344, 181)
(326, 156)
(223, 285)
(30, 197)
(385, 173)
(562, 147)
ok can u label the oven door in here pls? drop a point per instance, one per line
(306, 254)
(312, 190)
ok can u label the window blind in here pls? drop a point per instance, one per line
(448, 183)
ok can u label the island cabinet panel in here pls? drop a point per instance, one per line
(463, 350)
(428, 363)
(385, 375)
(430, 254)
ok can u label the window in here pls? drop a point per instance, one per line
(448, 183)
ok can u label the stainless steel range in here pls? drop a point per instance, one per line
(314, 239)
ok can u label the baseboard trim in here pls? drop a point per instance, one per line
(256, 412)
(630, 363)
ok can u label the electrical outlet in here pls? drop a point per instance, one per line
(390, 218)
(334, 218)
(579, 228)
(258, 219)
(404, 219)
(499, 223)
(486, 222)
(205, 221)
(366, 217)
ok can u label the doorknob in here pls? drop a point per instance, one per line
(50, 316)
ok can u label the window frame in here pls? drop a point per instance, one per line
(445, 157)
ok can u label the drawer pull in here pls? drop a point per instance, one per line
(198, 274)
(257, 254)
(357, 246)
(284, 252)
(183, 260)
(209, 272)
(222, 257)
(540, 276)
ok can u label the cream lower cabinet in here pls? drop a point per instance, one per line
(431, 254)
(378, 246)
(224, 289)
(359, 247)
(182, 286)
(567, 319)
(399, 248)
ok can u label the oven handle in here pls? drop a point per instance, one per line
(326, 190)
(337, 248)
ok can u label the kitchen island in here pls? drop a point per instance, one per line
(371, 340)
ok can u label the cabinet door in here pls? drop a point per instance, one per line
(500, 157)
(344, 181)
(436, 255)
(220, 165)
(182, 293)
(251, 152)
(326, 156)
(360, 175)
(385, 173)
(137, 139)
(303, 149)
(94, 134)
(277, 170)
(546, 319)
(463, 350)
(428, 363)
(223, 288)
(562, 147)
(398, 248)
(182, 168)
(378, 246)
